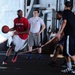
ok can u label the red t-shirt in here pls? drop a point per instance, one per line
(21, 25)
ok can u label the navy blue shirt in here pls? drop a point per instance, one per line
(70, 26)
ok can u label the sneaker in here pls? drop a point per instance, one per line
(73, 72)
(29, 56)
(39, 56)
(14, 59)
(68, 71)
(4, 63)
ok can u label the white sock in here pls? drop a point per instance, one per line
(69, 65)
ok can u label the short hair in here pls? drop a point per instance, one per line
(68, 4)
(19, 10)
(60, 12)
(36, 10)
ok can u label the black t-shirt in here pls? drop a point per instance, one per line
(70, 26)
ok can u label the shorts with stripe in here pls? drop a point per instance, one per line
(69, 45)
(34, 40)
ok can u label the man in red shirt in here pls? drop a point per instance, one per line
(21, 30)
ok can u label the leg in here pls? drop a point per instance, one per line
(73, 58)
(38, 44)
(39, 53)
(30, 44)
(40, 50)
(30, 53)
(30, 48)
(8, 54)
(58, 49)
(18, 46)
(69, 66)
(15, 57)
(69, 53)
(9, 51)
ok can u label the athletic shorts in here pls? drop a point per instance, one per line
(34, 40)
(17, 42)
(69, 45)
(61, 41)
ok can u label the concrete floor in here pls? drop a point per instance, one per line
(23, 66)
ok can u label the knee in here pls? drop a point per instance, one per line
(12, 46)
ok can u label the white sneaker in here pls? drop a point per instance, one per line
(73, 72)
(68, 71)
(4, 63)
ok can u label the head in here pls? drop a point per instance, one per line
(19, 13)
(68, 5)
(36, 13)
(59, 15)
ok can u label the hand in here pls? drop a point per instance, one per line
(30, 32)
(16, 33)
(38, 33)
(58, 36)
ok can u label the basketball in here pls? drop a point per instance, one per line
(5, 29)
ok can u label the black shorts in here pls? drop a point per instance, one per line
(61, 41)
(69, 45)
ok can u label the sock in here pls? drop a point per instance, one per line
(69, 65)
(6, 58)
(15, 55)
